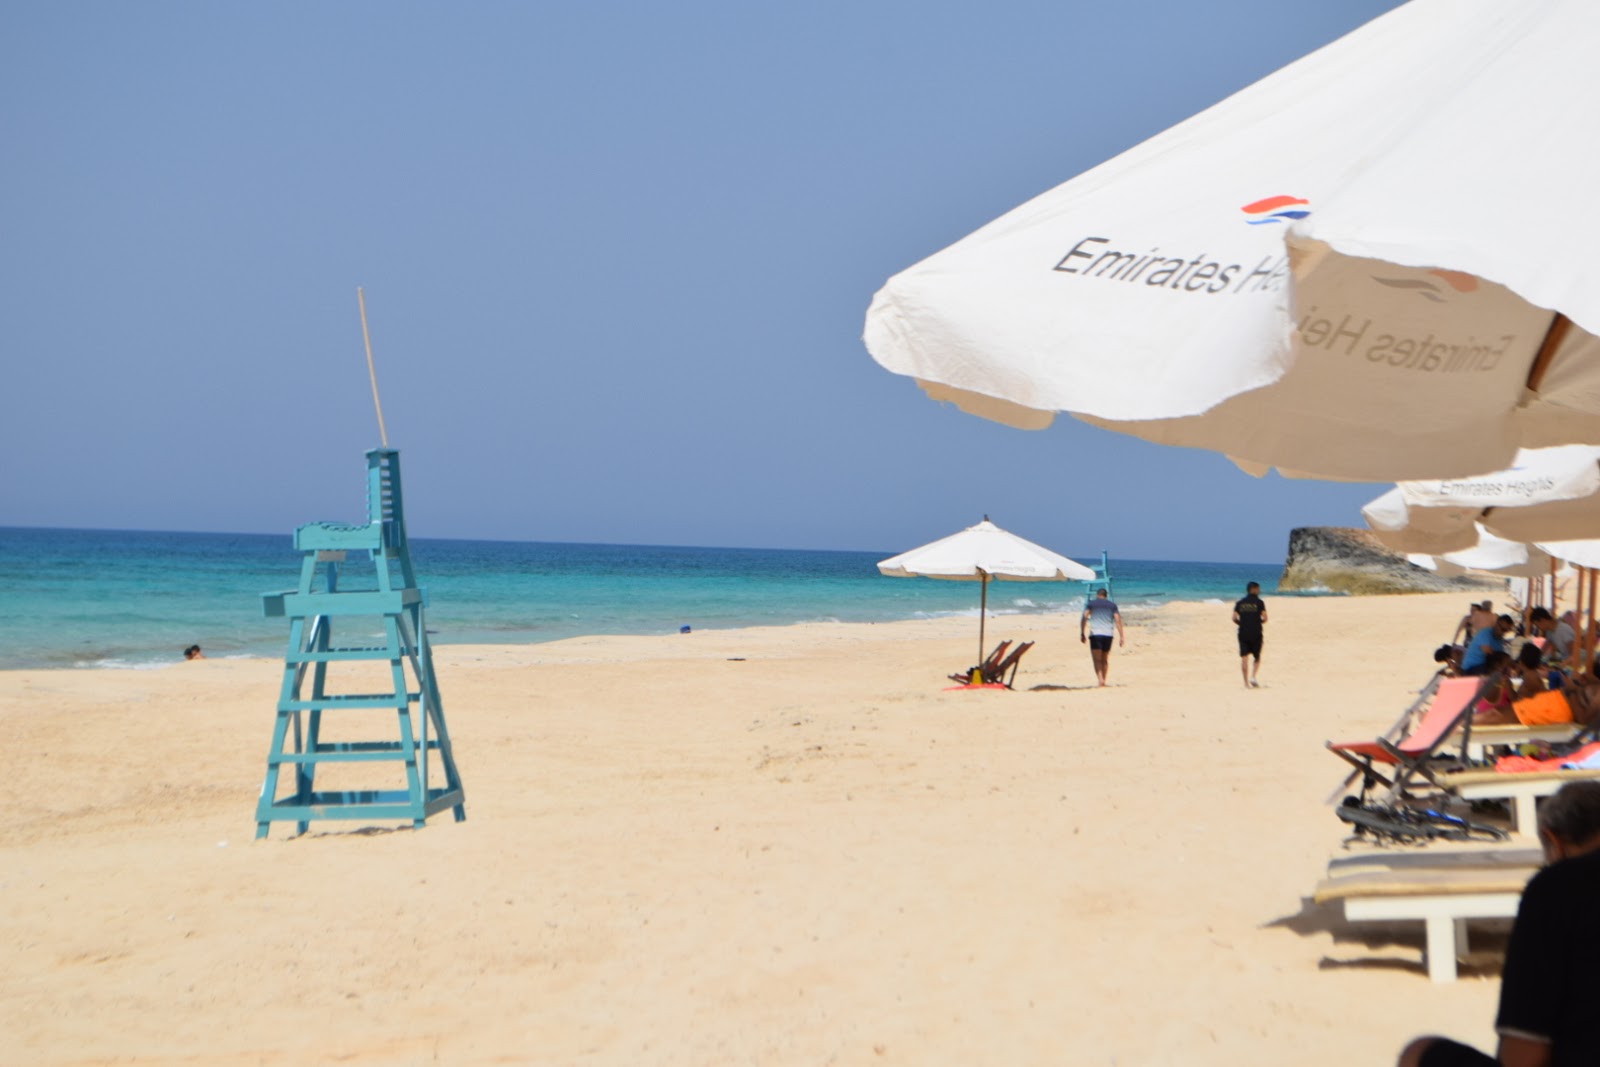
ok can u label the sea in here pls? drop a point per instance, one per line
(123, 599)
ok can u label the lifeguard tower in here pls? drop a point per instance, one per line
(1101, 579)
(382, 640)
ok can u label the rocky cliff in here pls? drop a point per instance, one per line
(1343, 560)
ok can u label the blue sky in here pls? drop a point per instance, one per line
(616, 259)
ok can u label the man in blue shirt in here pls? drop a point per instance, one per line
(1487, 640)
(1102, 619)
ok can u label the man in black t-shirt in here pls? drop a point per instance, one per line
(1549, 987)
(1250, 614)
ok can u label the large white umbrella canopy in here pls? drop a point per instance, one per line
(1496, 555)
(982, 552)
(1583, 553)
(1429, 531)
(1375, 264)
(1547, 494)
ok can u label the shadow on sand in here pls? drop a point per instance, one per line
(1372, 942)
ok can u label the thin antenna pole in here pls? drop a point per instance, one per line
(372, 372)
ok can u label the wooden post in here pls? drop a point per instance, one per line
(1589, 629)
(1577, 617)
(983, 608)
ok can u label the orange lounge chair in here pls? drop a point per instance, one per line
(1010, 664)
(985, 669)
(1451, 710)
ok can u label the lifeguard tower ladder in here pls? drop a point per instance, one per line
(394, 606)
(1101, 579)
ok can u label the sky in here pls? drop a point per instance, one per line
(616, 259)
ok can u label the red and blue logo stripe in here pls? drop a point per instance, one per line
(1276, 209)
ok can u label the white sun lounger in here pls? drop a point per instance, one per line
(1443, 889)
(1483, 737)
(1522, 788)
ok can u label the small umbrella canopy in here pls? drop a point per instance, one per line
(980, 553)
(1429, 531)
(1578, 553)
(1548, 494)
(1296, 277)
(1495, 555)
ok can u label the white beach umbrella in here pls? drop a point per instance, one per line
(1375, 264)
(1547, 494)
(1496, 555)
(980, 553)
(1585, 553)
(1428, 531)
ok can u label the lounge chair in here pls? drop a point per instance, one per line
(1010, 664)
(1449, 711)
(1487, 737)
(987, 669)
(1521, 788)
(1443, 889)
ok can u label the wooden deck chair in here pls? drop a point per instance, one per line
(1451, 710)
(1398, 729)
(1009, 664)
(984, 669)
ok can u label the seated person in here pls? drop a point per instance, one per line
(1528, 669)
(1547, 989)
(1448, 657)
(1565, 635)
(1487, 640)
(1560, 635)
(1493, 707)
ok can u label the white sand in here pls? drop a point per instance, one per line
(815, 855)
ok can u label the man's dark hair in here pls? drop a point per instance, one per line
(1253, 587)
(1540, 615)
(1573, 814)
(1105, 592)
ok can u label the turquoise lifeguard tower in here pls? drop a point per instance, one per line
(380, 625)
(1101, 579)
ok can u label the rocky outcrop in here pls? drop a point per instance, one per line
(1338, 559)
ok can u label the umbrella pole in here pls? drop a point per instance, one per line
(983, 609)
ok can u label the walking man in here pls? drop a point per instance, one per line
(1250, 614)
(1101, 618)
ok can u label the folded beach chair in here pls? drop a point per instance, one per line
(1010, 664)
(1449, 711)
(986, 669)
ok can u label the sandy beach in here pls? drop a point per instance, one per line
(768, 846)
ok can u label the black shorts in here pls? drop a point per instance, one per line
(1250, 645)
(1100, 642)
(1446, 1053)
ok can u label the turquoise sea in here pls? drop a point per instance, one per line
(106, 598)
